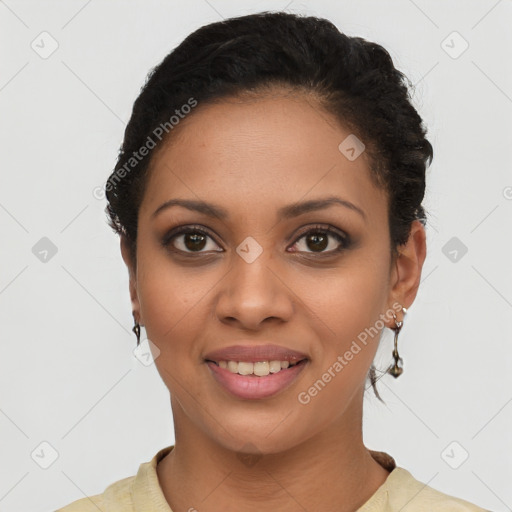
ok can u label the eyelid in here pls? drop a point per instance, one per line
(342, 237)
(320, 227)
(185, 229)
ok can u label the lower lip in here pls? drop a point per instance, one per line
(252, 387)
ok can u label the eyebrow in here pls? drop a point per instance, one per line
(286, 212)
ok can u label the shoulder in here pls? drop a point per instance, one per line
(138, 492)
(117, 494)
(410, 495)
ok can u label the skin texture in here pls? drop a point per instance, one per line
(253, 156)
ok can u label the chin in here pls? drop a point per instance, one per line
(258, 439)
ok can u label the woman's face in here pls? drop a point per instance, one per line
(257, 277)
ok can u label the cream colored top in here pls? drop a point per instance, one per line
(400, 492)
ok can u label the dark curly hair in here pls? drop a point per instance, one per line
(350, 77)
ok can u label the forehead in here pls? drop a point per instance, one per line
(267, 150)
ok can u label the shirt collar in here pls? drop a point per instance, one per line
(147, 495)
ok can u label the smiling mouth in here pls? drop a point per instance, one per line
(257, 369)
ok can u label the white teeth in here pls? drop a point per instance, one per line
(274, 366)
(245, 368)
(260, 369)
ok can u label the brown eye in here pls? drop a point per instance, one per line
(189, 240)
(317, 240)
(194, 241)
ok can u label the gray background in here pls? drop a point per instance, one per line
(68, 375)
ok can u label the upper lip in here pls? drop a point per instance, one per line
(255, 353)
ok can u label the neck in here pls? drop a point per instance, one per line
(332, 470)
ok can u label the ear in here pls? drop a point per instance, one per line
(128, 259)
(406, 272)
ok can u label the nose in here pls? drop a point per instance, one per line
(253, 293)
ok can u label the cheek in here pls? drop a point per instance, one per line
(350, 305)
(169, 306)
(346, 312)
(167, 293)
(164, 293)
(174, 304)
(350, 298)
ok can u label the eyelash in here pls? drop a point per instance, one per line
(343, 239)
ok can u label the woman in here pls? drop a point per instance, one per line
(268, 201)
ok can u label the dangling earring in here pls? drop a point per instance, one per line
(397, 369)
(136, 329)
